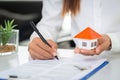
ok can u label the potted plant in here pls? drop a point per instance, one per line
(8, 38)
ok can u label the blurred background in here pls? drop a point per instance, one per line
(24, 11)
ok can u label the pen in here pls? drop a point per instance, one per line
(14, 77)
(40, 35)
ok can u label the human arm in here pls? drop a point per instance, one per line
(106, 22)
(49, 26)
(115, 41)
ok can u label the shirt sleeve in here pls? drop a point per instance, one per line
(51, 22)
(115, 41)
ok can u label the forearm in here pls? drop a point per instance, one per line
(51, 22)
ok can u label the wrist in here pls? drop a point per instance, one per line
(110, 43)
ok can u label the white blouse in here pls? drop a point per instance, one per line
(101, 15)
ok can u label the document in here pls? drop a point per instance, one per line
(69, 67)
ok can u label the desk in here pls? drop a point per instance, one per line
(109, 72)
(14, 60)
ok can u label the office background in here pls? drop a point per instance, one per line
(24, 11)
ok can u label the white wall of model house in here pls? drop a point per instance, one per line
(87, 44)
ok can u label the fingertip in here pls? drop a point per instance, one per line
(54, 54)
(97, 51)
(82, 51)
(76, 50)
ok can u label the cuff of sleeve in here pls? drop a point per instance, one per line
(115, 43)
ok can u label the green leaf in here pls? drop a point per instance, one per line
(6, 31)
(1, 28)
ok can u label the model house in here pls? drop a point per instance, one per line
(87, 39)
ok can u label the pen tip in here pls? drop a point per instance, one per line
(56, 57)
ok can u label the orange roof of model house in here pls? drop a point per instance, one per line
(88, 34)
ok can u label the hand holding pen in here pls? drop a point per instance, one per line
(40, 48)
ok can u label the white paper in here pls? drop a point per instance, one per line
(66, 68)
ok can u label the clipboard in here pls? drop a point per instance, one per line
(94, 71)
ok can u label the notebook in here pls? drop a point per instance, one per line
(70, 66)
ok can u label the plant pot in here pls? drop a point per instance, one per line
(9, 42)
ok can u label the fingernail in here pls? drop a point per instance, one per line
(54, 53)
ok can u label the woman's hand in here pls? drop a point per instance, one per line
(104, 43)
(39, 50)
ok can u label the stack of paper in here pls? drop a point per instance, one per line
(70, 68)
